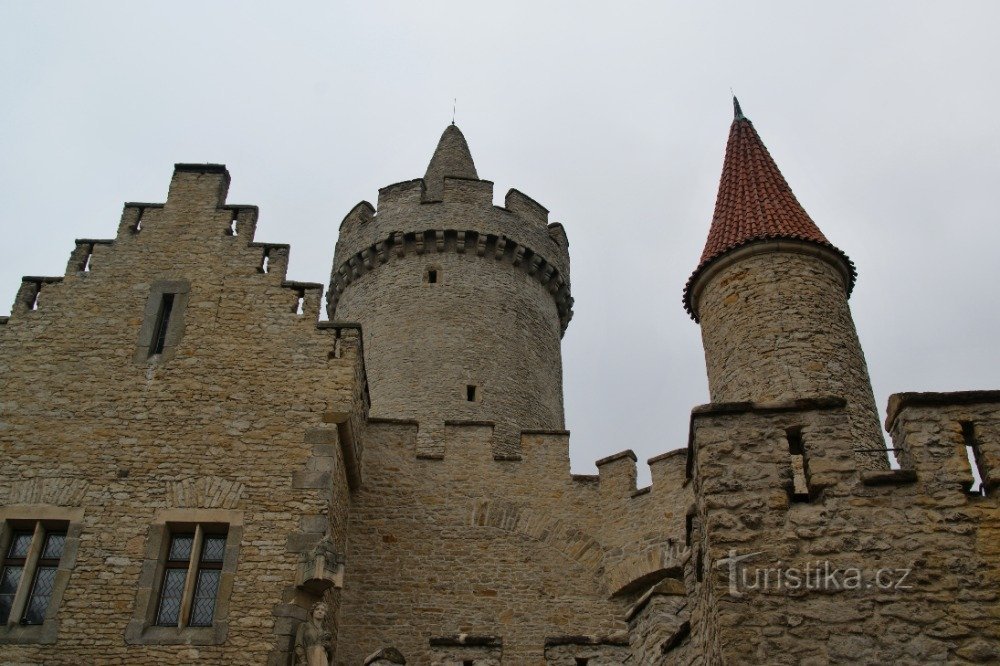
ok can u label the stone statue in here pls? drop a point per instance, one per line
(312, 640)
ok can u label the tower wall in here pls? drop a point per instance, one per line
(455, 294)
(776, 325)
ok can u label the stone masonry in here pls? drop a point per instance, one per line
(406, 462)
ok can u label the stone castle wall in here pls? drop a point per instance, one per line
(226, 426)
(925, 547)
(519, 550)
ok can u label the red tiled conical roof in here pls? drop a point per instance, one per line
(754, 204)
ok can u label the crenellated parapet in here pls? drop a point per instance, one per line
(778, 486)
(463, 221)
(945, 442)
(628, 538)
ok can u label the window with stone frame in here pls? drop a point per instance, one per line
(191, 574)
(187, 577)
(28, 574)
(163, 321)
(38, 549)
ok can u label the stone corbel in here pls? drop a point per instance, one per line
(321, 568)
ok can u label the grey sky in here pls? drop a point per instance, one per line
(881, 115)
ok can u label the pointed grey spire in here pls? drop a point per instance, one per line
(451, 158)
(737, 111)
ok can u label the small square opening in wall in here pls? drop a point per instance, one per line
(471, 393)
(432, 275)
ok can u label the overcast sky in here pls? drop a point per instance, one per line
(883, 117)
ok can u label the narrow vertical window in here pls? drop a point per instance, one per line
(470, 392)
(162, 323)
(796, 452)
(976, 485)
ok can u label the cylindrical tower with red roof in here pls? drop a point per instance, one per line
(770, 293)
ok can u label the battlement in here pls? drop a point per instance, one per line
(402, 207)
(541, 453)
(943, 441)
(805, 448)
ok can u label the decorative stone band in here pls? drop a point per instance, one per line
(704, 274)
(619, 639)
(466, 640)
(487, 246)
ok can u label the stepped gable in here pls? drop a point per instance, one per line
(754, 204)
(452, 159)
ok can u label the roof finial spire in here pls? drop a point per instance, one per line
(454, 105)
(737, 111)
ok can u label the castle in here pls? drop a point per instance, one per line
(192, 459)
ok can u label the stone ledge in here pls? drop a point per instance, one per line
(627, 453)
(664, 456)
(543, 431)
(889, 477)
(294, 284)
(899, 401)
(272, 246)
(466, 640)
(142, 204)
(44, 279)
(339, 325)
(507, 457)
(796, 405)
(617, 639)
(201, 168)
(94, 241)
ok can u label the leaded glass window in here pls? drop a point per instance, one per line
(191, 576)
(25, 559)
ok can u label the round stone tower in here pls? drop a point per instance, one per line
(462, 303)
(770, 293)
